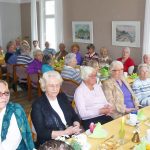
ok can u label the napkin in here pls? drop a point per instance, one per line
(98, 132)
(141, 146)
(141, 115)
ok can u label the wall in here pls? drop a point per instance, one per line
(102, 13)
(10, 22)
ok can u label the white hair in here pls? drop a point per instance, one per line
(36, 52)
(69, 57)
(127, 49)
(46, 78)
(114, 64)
(142, 66)
(86, 71)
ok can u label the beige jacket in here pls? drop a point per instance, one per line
(115, 97)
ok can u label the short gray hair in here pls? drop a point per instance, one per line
(114, 64)
(86, 71)
(47, 78)
(69, 57)
(127, 49)
(142, 66)
(36, 52)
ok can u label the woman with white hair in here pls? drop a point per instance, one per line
(141, 86)
(118, 92)
(36, 65)
(69, 71)
(90, 100)
(52, 114)
(128, 63)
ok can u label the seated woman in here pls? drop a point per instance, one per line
(69, 71)
(36, 65)
(104, 57)
(11, 56)
(141, 86)
(24, 57)
(128, 63)
(55, 145)
(15, 131)
(51, 114)
(90, 100)
(62, 52)
(46, 64)
(75, 49)
(90, 55)
(118, 92)
(146, 60)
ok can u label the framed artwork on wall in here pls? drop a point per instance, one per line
(126, 33)
(82, 31)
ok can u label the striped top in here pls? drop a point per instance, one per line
(24, 59)
(141, 89)
(71, 73)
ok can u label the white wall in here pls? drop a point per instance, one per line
(10, 22)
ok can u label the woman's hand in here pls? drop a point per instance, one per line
(76, 123)
(72, 130)
(107, 110)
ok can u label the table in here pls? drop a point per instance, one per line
(113, 129)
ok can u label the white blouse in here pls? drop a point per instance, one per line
(13, 137)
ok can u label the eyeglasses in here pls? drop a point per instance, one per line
(117, 70)
(5, 93)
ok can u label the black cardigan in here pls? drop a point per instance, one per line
(46, 120)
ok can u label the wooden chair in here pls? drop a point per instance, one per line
(33, 82)
(20, 75)
(68, 87)
(10, 72)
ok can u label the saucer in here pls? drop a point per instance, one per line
(131, 123)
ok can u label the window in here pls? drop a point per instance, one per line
(50, 31)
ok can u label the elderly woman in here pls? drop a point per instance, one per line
(36, 65)
(24, 58)
(15, 131)
(141, 86)
(90, 100)
(90, 55)
(75, 49)
(104, 57)
(69, 71)
(51, 114)
(62, 52)
(128, 63)
(146, 60)
(118, 91)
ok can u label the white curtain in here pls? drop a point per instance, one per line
(34, 30)
(59, 21)
(41, 2)
(146, 38)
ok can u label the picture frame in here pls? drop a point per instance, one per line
(82, 31)
(126, 33)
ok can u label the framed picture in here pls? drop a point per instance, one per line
(126, 33)
(82, 31)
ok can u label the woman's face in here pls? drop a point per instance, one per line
(53, 87)
(144, 73)
(73, 62)
(117, 72)
(90, 50)
(75, 49)
(39, 57)
(104, 52)
(12, 48)
(125, 54)
(91, 80)
(147, 59)
(4, 96)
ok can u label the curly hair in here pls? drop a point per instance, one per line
(55, 145)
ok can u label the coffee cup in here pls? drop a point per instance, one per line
(125, 74)
(133, 119)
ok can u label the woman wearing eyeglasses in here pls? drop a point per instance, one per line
(118, 92)
(14, 129)
(52, 114)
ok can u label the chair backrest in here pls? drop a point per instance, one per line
(68, 87)
(10, 69)
(20, 72)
